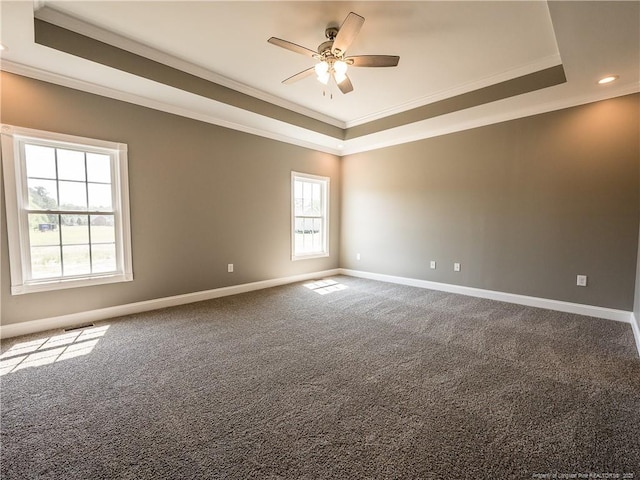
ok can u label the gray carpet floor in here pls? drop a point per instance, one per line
(361, 380)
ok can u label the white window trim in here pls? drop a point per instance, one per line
(17, 224)
(325, 239)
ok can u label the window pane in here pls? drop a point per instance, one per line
(317, 235)
(76, 260)
(45, 262)
(43, 229)
(42, 194)
(41, 161)
(308, 235)
(98, 168)
(73, 195)
(306, 199)
(99, 196)
(316, 205)
(71, 165)
(75, 230)
(310, 231)
(104, 258)
(102, 229)
(297, 186)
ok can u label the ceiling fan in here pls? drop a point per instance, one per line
(331, 55)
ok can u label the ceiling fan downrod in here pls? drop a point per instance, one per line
(331, 33)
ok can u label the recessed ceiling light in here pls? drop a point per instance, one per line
(608, 79)
(340, 146)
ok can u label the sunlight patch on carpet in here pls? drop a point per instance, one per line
(45, 351)
(323, 287)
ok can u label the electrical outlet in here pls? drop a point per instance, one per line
(230, 268)
(581, 280)
(456, 267)
(432, 265)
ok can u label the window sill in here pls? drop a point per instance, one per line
(46, 286)
(309, 256)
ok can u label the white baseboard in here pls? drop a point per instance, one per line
(588, 310)
(64, 321)
(635, 325)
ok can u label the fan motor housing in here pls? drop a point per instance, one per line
(325, 47)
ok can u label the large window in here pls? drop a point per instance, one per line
(67, 208)
(310, 199)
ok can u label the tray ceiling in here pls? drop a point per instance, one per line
(449, 51)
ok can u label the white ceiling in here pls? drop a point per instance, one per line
(445, 49)
(441, 45)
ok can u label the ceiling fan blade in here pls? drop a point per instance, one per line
(299, 76)
(293, 47)
(347, 33)
(373, 61)
(345, 86)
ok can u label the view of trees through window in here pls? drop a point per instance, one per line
(71, 218)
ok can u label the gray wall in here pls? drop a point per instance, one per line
(524, 206)
(202, 196)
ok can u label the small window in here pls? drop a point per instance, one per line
(67, 205)
(310, 199)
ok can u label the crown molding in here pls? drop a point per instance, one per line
(76, 25)
(245, 121)
(158, 96)
(424, 129)
(255, 124)
(50, 15)
(526, 69)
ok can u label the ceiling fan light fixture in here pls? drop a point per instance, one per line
(321, 68)
(340, 67)
(340, 71)
(324, 78)
(322, 72)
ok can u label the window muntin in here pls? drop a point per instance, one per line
(67, 210)
(310, 198)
